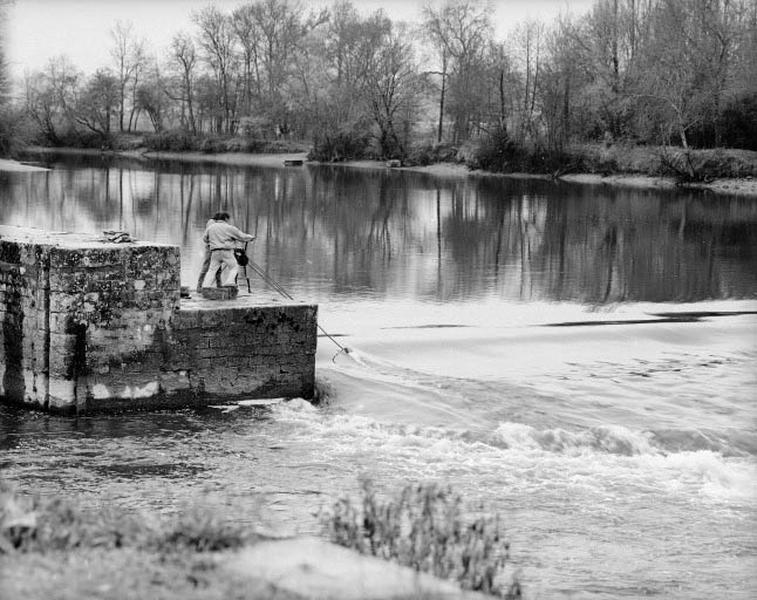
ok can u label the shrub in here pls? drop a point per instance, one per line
(423, 528)
(426, 154)
(34, 525)
(171, 141)
(738, 123)
(497, 153)
(344, 145)
(210, 145)
(201, 531)
(29, 524)
(692, 166)
(682, 166)
(244, 144)
(256, 127)
(8, 131)
(71, 137)
(183, 141)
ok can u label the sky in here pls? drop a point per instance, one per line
(38, 30)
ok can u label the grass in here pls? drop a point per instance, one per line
(423, 527)
(126, 574)
(501, 155)
(52, 548)
(665, 161)
(30, 524)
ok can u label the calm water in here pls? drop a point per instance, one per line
(512, 338)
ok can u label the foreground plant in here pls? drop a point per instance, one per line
(423, 528)
(29, 524)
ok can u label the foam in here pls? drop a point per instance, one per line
(602, 458)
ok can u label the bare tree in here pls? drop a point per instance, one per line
(50, 98)
(151, 97)
(562, 82)
(8, 121)
(351, 76)
(461, 30)
(98, 102)
(4, 83)
(184, 57)
(218, 41)
(128, 56)
(677, 80)
(278, 22)
(528, 43)
(611, 40)
(248, 33)
(394, 86)
(502, 84)
(282, 27)
(352, 45)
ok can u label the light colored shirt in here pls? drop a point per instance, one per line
(208, 224)
(222, 235)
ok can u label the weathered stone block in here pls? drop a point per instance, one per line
(89, 325)
(62, 394)
(226, 292)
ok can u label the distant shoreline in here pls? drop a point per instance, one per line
(732, 186)
(13, 166)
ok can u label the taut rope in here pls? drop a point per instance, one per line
(277, 286)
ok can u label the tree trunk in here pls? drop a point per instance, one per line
(565, 129)
(133, 118)
(121, 108)
(502, 113)
(441, 98)
(190, 110)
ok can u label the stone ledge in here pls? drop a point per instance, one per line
(225, 292)
(91, 326)
(313, 568)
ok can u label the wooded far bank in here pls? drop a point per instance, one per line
(272, 74)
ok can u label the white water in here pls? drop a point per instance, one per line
(622, 457)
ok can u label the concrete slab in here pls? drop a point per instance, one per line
(91, 324)
(313, 568)
(243, 299)
(69, 240)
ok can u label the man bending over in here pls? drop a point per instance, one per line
(220, 236)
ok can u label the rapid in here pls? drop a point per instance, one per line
(579, 359)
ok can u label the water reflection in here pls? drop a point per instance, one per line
(328, 231)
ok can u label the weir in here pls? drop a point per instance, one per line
(90, 325)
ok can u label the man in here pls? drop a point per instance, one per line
(221, 236)
(206, 264)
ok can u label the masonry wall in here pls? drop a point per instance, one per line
(207, 355)
(24, 305)
(95, 326)
(269, 349)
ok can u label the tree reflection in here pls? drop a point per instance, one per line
(328, 230)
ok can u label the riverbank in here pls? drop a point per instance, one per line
(293, 569)
(741, 186)
(13, 166)
(746, 186)
(56, 549)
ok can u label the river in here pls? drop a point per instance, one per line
(580, 359)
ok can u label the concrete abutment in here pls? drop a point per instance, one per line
(89, 325)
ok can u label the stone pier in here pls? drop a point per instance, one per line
(90, 325)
